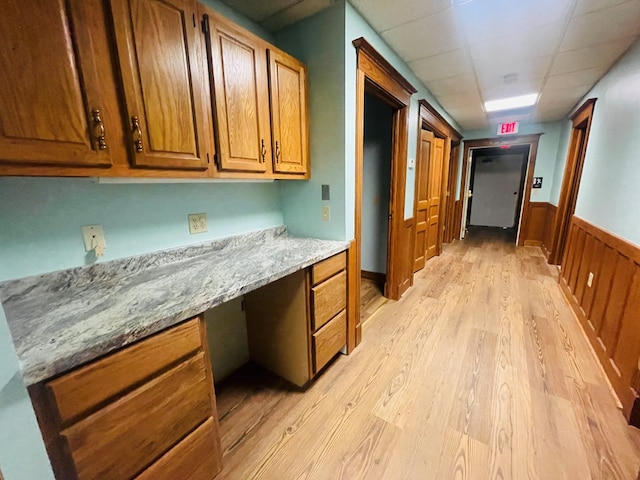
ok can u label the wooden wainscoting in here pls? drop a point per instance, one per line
(608, 309)
(538, 230)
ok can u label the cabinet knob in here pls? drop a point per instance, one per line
(98, 130)
(137, 133)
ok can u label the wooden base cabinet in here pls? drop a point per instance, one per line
(147, 411)
(297, 324)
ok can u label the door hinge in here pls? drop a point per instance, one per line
(205, 24)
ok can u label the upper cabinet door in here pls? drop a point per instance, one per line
(238, 66)
(51, 109)
(161, 64)
(287, 81)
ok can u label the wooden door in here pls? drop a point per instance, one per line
(422, 199)
(162, 63)
(51, 105)
(289, 132)
(435, 191)
(238, 68)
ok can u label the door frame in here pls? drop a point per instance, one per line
(377, 76)
(581, 125)
(469, 145)
(430, 119)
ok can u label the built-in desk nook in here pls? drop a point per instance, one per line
(117, 358)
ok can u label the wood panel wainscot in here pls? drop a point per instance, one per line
(145, 409)
(600, 277)
(538, 232)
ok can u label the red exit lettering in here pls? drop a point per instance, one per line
(508, 128)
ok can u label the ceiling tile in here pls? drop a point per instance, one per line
(445, 65)
(425, 37)
(602, 56)
(487, 19)
(294, 13)
(460, 99)
(529, 43)
(586, 6)
(512, 90)
(258, 11)
(492, 73)
(453, 85)
(579, 78)
(602, 26)
(384, 15)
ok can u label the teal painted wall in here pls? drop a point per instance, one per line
(561, 160)
(609, 195)
(240, 19)
(376, 182)
(546, 157)
(41, 218)
(22, 453)
(357, 27)
(318, 41)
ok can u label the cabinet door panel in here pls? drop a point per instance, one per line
(288, 113)
(241, 103)
(161, 65)
(49, 84)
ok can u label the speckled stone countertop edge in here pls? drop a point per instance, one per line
(41, 360)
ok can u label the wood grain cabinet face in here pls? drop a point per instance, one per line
(162, 67)
(146, 410)
(238, 72)
(287, 86)
(51, 105)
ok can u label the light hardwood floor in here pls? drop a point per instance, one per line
(479, 372)
(371, 298)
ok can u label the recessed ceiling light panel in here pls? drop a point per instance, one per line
(511, 102)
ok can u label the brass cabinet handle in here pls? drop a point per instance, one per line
(277, 153)
(264, 150)
(137, 133)
(98, 129)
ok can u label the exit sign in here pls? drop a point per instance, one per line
(508, 128)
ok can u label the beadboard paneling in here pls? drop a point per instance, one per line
(608, 309)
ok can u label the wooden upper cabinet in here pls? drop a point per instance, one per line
(162, 65)
(289, 131)
(51, 107)
(238, 71)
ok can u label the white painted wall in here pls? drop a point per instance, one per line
(378, 124)
(494, 203)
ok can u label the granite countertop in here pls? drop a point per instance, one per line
(63, 319)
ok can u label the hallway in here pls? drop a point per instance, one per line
(479, 372)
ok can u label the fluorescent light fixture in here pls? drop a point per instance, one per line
(511, 102)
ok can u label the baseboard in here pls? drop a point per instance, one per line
(375, 276)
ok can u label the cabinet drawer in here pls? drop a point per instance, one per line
(197, 457)
(329, 340)
(328, 299)
(84, 389)
(329, 267)
(126, 436)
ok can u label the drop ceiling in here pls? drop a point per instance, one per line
(470, 51)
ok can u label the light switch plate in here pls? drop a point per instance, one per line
(198, 223)
(326, 213)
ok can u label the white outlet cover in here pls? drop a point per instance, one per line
(198, 223)
(93, 236)
(412, 163)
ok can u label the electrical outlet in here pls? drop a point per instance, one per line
(326, 213)
(590, 279)
(93, 237)
(198, 223)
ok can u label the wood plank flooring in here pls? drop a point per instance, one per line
(371, 298)
(479, 372)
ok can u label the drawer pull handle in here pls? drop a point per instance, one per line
(277, 153)
(264, 150)
(137, 133)
(98, 129)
